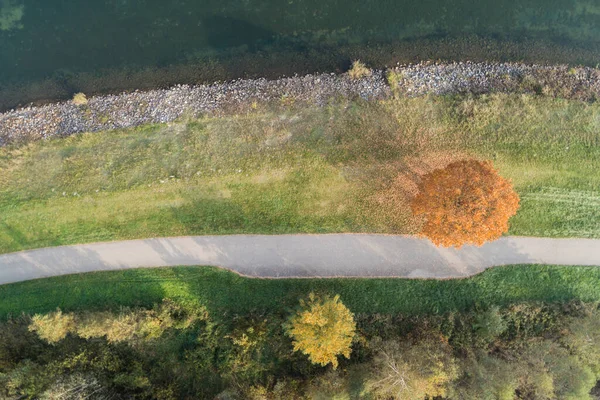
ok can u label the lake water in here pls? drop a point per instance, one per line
(55, 40)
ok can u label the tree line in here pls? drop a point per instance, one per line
(321, 350)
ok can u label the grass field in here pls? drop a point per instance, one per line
(224, 292)
(347, 167)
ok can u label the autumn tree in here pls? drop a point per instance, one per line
(52, 327)
(323, 328)
(467, 202)
(129, 325)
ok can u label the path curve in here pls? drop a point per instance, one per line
(343, 255)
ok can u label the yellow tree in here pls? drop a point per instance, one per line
(467, 202)
(53, 327)
(322, 329)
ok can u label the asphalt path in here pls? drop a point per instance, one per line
(283, 256)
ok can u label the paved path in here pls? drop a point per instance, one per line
(348, 255)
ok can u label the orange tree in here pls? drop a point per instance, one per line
(323, 328)
(467, 202)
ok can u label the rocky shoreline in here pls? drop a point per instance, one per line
(478, 78)
(159, 106)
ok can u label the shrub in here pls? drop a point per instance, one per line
(530, 83)
(485, 378)
(129, 325)
(393, 79)
(582, 338)
(322, 329)
(80, 99)
(467, 202)
(489, 324)
(52, 327)
(138, 324)
(358, 70)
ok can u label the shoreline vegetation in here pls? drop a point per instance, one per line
(274, 63)
(127, 110)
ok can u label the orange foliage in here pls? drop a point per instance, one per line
(467, 202)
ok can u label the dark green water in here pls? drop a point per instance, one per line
(57, 39)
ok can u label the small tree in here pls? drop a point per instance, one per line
(582, 338)
(322, 329)
(550, 371)
(52, 327)
(489, 324)
(76, 386)
(467, 202)
(407, 371)
(485, 377)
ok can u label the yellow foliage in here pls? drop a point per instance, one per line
(129, 325)
(359, 70)
(322, 329)
(52, 327)
(80, 99)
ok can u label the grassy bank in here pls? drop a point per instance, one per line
(348, 167)
(224, 292)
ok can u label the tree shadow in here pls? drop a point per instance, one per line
(211, 215)
(58, 278)
(16, 235)
(471, 260)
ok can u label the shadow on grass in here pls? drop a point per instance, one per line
(14, 234)
(90, 291)
(253, 209)
(206, 215)
(224, 292)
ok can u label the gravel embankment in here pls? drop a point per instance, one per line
(157, 106)
(478, 78)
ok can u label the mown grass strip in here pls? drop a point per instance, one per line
(224, 292)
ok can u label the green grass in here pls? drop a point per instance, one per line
(224, 292)
(300, 169)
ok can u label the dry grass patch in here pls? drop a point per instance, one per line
(391, 203)
(80, 99)
(359, 70)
